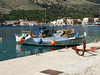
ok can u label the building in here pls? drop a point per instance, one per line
(8, 23)
(96, 19)
(53, 23)
(29, 23)
(69, 21)
(85, 21)
(60, 22)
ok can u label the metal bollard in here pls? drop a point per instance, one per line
(37, 52)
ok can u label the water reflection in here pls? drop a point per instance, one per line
(24, 50)
(0, 42)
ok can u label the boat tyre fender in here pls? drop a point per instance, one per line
(76, 35)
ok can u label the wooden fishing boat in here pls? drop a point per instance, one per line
(60, 38)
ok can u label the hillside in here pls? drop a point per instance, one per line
(7, 5)
(95, 1)
(22, 9)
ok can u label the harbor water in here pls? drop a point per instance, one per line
(10, 50)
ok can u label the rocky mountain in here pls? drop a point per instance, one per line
(8, 5)
(95, 1)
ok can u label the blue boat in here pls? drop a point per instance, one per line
(60, 38)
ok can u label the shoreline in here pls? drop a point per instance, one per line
(48, 26)
(66, 61)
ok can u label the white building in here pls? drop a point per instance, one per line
(8, 23)
(79, 20)
(22, 23)
(60, 22)
(29, 23)
(53, 23)
(69, 21)
(85, 21)
(96, 19)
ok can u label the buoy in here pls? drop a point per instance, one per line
(4, 51)
(1, 38)
(53, 43)
(21, 41)
(40, 41)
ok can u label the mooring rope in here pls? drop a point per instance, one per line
(90, 39)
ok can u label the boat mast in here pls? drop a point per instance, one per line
(45, 15)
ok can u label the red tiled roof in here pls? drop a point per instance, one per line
(75, 19)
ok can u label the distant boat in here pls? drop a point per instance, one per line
(60, 38)
(98, 23)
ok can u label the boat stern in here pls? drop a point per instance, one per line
(18, 37)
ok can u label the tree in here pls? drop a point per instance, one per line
(79, 22)
(95, 14)
(91, 20)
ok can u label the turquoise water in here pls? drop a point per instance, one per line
(9, 49)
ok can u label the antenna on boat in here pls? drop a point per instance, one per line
(22, 29)
(30, 28)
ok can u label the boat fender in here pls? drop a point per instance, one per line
(23, 36)
(40, 41)
(76, 35)
(21, 41)
(53, 43)
(28, 37)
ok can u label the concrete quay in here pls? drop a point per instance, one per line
(63, 60)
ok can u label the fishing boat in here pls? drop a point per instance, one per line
(97, 23)
(59, 38)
